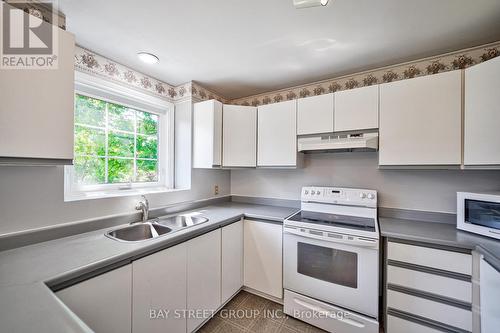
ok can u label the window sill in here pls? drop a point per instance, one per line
(90, 195)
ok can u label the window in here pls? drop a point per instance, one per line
(114, 143)
(123, 143)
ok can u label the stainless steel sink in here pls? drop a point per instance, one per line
(139, 232)
(180, 221)
(154, 228)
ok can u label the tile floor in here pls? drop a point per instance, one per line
(250, 313)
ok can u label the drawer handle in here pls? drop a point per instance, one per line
(326, 313)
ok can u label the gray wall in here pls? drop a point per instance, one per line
(33, 197)
(430, 190)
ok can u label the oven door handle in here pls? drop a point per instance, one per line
(369, 243)
(328, 314)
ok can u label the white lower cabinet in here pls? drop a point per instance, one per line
(489, 297)
(459, 290)
(159, 284)
(232, 259)
(177, 289)
(327, 316)
(437, 311)
(429, 257)
(203, 277)
(428, 289)
(395, 324)
(263, 257)
(103, 302)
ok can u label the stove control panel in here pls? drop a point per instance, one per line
(339, 195)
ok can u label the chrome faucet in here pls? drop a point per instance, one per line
(143, 206)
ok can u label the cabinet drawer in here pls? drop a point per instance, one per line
(327, 316)
(443, 313)
(398, 325)
(431, 283)
(424, 256)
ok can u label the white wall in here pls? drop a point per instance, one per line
(429, 190)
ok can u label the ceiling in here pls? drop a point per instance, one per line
(244, 47)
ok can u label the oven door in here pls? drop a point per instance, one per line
(343, 273)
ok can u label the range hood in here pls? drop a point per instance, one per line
(338, 143)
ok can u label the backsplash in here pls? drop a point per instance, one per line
(424, 190)
(428, 66)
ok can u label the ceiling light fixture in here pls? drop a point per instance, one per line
(148, 58)
(309, 3)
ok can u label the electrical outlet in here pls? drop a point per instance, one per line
(216, 189)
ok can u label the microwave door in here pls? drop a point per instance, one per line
(483, 213)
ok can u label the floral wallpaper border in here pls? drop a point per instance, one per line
(428, 66)
(90, 62)
(43, 10)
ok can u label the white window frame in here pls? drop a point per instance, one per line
(92, 86)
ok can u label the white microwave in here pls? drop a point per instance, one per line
(479, 213)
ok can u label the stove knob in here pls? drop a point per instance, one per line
(317, 192)
(362, 195)
(371, 196)
(306, 192)
(312, 192)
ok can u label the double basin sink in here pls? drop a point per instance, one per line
(155, 228)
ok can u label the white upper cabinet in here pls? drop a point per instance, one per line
(207, 134)
(239, 138)
(36, 109)
(277, 135)
(104, 302)
(356, 109)
(482, 114)
(203, 277)
(315, 114)
(232, 259)
(420, 121)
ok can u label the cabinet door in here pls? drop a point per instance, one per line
(490, 297)
(239, 136)
(232, 259)
(315, 114)
(203, 276)
(36, 109)
(159, 284)
(207, 134)
(277, 134)
(103, 302)
(420, 121)
(356, 109)
(482, 114)
(263, 257)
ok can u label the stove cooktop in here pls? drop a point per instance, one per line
(335, 220)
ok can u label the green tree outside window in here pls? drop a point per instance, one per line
(114, 143)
